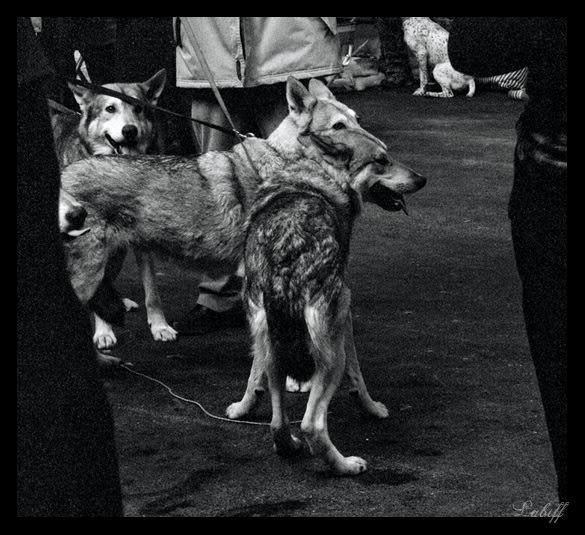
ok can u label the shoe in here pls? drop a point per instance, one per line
(202, 320)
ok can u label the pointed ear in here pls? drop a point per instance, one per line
(319, 90)
(154, 86)
(298, 98)
(81, 94)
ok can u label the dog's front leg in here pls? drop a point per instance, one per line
(103, 335)
(354, 373)
(160, 329)
(421, 57)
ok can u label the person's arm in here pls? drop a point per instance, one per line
(487, 46)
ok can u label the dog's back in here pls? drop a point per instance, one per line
(424, 32)
(296, 254)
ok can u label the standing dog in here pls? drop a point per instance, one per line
(428, 42)
(195, 209)
(297, 301)
(108, 126)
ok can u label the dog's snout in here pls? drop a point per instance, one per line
(76, 216)
(382, 159)
(130, 132)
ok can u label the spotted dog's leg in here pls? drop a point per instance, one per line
(471, 90)
(421, 57)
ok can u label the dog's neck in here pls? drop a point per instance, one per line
(285, 139)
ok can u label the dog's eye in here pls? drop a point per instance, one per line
(138, 109)
(111, 108)
(339, 126)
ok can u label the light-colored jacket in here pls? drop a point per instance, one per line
(251, 51)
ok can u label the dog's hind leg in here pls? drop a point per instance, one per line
(160, 329)
(471, 90)
(284, 442)
(257, 380)
(330, 358)
(354, 373)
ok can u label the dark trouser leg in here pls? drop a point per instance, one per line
(66, 456)
(538, 220)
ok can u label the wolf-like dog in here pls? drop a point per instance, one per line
(296, 298)
(108, 126)
(194, 209)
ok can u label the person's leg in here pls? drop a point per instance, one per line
(66, 455)
(538, 223)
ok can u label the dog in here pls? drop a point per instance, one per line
(428, 42)
(194, 209)
(71, 216)
(108, 126)
(295, 294)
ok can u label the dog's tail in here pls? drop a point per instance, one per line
(289, 339)
(107, 304)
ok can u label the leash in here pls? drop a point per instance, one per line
(215, 90)
(193, 402)
(131, 100)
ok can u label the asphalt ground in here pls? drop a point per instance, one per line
(439, 333)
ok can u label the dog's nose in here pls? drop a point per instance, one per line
(76, 217)
(129, 132)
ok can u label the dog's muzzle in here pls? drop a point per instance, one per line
(387, 199)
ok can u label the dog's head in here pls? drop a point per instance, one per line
(112, 126)
(330, 131)
(71, 216)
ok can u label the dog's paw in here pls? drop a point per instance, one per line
(237, 410)
(288, 447)
(419, 92)
(378, 410)
(292, 385)
(104, 340)
(107, 360)
(163, 333)
(129, 304)
(350, 466)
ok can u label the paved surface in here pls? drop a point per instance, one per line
(440, 336)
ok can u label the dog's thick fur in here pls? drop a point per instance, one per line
(428, 42)
(110, 126)
(194, 209)
(297, 301)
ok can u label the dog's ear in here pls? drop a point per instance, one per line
(153, 87)
(319, 90)
(81, 94)
(298, 98)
